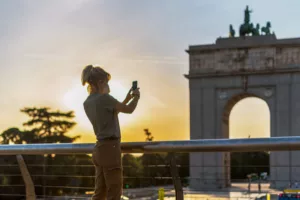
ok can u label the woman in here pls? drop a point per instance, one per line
(102, 111)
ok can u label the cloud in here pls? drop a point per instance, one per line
(74, 5)
(156, 102)
(43, 56)
(170, 60)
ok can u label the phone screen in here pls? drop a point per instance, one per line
(134, 85)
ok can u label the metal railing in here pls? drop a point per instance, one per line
(207, 145)
(171, 147)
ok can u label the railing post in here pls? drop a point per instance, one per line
(30, 191)
(249, 183)
(259, 184)
(175, 177)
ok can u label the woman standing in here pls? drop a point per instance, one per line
(102, 110)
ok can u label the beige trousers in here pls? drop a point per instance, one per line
(109, 174)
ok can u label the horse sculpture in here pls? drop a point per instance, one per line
(231, 31)
(255, 31)
(246, 29)
(266, 29)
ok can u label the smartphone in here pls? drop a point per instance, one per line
(134, 85)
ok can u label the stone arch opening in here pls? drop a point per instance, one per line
(230, 165)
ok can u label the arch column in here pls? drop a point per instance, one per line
(210, 107)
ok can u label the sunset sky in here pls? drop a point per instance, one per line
(46, 44)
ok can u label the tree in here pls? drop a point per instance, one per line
(132, 170)
(154, 165)
(158, 165)
(44, 126)
(149, 136)
(16, 136)
(244, 163)
(50, 127)
(12, 135)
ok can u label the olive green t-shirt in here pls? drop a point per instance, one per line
(100, 110)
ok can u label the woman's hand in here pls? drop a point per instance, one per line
(136, 92)
(129, 96)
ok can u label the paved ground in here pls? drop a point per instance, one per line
(237, 191)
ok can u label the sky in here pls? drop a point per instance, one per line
(46, 44)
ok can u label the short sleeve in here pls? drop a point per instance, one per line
(110, 102)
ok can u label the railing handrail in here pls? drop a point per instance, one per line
(206, 145)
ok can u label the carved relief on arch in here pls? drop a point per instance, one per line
(252, 59)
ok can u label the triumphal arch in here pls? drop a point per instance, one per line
(221, 74)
